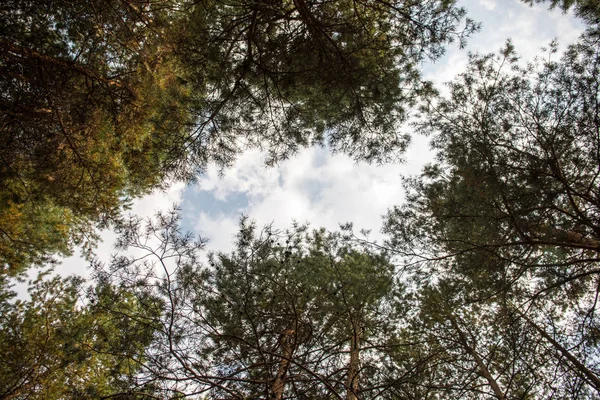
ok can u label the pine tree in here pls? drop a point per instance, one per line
(64, 343)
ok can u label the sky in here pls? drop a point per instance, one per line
(327, 190)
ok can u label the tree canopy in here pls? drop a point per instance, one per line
(487, 285)
(510, 208)
(89, 114)
(516, 183)
(285, 75)
(67, 341)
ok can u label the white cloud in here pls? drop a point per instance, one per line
(158, 200)
(529, 28)
(315, 187)
(489, 4)
(219, 229)
(248, 174)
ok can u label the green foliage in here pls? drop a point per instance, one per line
(102, 101)
(89, 114)
(515, 189)
(508, 215)
(55, 346)
(480, 350)
(282, 76)
(304, 301)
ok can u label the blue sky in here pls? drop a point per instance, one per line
(324, 189)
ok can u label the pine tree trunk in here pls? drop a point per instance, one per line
(287, 344)
(483, 370)
(353, 367)
(559, 237)
(590, 376)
